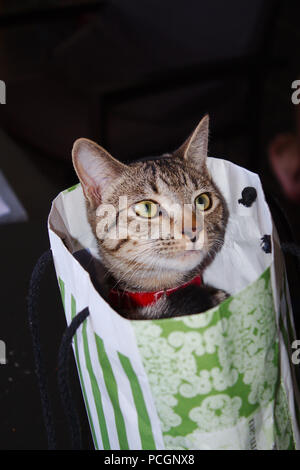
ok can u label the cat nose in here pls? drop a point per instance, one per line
(191, 234)
(189, 225)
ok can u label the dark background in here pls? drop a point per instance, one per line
(136, 77)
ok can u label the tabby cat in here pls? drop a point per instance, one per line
(156, 276)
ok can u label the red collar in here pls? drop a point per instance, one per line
(130, 300)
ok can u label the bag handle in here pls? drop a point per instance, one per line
(63, 379)
(63, 360)
(32, 303)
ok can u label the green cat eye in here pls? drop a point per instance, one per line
(146, 209)
(203, 202)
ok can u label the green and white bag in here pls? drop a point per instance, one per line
(222, 379)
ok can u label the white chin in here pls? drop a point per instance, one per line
(185, 261)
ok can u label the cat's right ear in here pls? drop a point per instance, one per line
(194, 148)
(95, 168)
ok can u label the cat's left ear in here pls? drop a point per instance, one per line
(96, 169)
(194, 148)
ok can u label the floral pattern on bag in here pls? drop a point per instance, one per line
(283, 427)
(213, 370)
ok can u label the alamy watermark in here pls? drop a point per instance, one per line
(123, 223)
(2, 92)
(2, 353)
(296, 94)
(296, 353)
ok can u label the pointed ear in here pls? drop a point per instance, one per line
(194, 148)
(95, 168)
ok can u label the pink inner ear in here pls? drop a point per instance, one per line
(90, 186)
(96, 169)
(94, 195)
(195, 148)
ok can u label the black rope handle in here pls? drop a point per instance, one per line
(32, 303)
(63, 379)
(63, 360)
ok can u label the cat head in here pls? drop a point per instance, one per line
(158, 222)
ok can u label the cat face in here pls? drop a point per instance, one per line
(167, 218)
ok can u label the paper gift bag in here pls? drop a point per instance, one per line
(222, 379)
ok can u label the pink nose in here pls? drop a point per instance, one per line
(189, 226)
(191, 234)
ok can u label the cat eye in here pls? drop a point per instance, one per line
(203, 202)
(147, 209)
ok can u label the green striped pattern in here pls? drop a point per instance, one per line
(73, 310)
(143, 417)
(96, 391)
(112, 389)
(144, 431)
